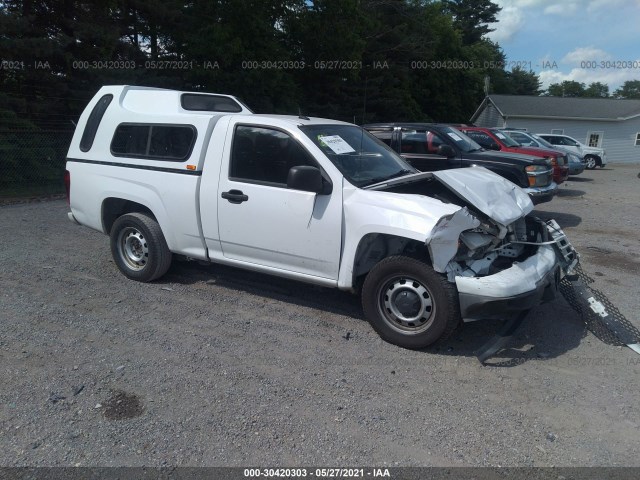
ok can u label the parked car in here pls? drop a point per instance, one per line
(576, 163)
(164, 173)
(593, 156)
(495, 139)
(432, 147)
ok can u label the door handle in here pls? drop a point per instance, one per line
(235, 196)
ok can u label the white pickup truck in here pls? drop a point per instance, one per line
(164, 172)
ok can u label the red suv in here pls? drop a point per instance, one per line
(494, 139)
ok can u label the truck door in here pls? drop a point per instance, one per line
(419, 147)
(263, 222)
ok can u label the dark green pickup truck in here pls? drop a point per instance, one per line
(433, 146)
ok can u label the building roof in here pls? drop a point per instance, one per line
(525, 106)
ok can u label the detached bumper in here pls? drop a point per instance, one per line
(520, 287)
(542, 194)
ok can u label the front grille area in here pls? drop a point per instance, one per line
(546, 179)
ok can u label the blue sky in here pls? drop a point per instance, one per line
(570, 33)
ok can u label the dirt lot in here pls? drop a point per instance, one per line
(215, 366)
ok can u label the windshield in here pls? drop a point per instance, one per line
(464, 143)
(522, 138)
(508, 141)
(542, 141)
(360, 157)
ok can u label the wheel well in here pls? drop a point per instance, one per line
(595, 157)
(112, 208)
(375, 247)
(511, 177)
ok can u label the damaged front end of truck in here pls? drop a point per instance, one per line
(503, 260)
(500, 270)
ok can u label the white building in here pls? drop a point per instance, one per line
(599, 122)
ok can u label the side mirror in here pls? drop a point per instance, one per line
(307, 179)
(494, 146)
(446, 151)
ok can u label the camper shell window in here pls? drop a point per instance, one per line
(172, 143)
(209, 103)
(91, 128)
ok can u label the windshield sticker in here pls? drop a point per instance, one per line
(336, 143)
(500, 136)
(455, 136)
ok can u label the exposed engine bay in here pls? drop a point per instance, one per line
(470, 243)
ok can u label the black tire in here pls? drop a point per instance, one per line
(591, 162)
(421, 309)
(139, 247)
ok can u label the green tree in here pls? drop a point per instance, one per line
(472, 18)
(568, 88)
(243, 48)
(629, 89)
(398, 35)
(58, 42)
(330, 37)
(597, 90)
(361, 57)
(520, 82)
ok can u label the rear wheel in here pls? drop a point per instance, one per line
(139, 247)
(408, 303)
(591, 162)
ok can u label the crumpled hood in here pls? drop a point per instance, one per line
(493, 195)
(509, 157)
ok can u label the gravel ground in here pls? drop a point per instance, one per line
(220, 367)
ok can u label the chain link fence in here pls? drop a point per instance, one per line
(32, 162)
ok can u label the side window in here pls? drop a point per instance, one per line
(155, 142)
(434, 141)
(265, 155)
(91, 128)
(521, 139)
(204, 102)
(170, 142)
(420, 142)
(130, 140)
(413, 142)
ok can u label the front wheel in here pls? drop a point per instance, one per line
(591, 162)
(408, 303)
(139, 247)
